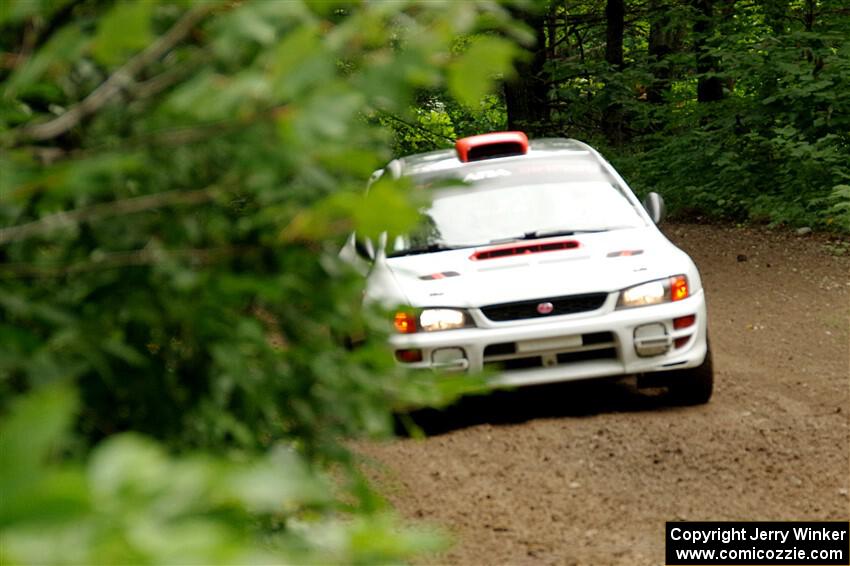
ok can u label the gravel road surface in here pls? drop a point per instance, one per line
(588, 473)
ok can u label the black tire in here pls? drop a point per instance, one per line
(693, 386)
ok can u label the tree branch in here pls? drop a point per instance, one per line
(114, 208)
(180, 135)
(114, 260)
(119, 79)
(415, 126)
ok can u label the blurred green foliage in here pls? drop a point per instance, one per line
(176, 179)
(133, 503)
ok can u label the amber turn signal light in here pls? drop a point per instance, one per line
(405, 322)
(679, 288)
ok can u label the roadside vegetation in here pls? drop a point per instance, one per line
(175, 181)
(732, 110)
(176, 178)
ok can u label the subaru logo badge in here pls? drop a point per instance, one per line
(545, 308)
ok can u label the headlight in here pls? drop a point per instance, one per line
(430, 320)
(655, 292)
(441, 319)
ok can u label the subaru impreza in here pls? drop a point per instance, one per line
(536, 262)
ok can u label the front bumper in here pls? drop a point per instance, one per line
(601, 343)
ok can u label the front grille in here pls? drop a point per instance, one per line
(502, 349)
(597, 338)
(517, 363)
(528, 309)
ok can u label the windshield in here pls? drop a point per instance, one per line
(496, 209)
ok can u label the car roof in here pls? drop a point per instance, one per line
(446, 160)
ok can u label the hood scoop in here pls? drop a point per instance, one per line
(523, 249)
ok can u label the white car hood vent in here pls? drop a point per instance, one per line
(523, 249)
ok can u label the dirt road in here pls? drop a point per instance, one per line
(589, 473)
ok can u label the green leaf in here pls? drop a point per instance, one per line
(282, 480)
(125, 29)
(54, 58)
(473, 73)
(298, 63)
(17, 10)
(385, 208)
(28, 434)
(127, 467)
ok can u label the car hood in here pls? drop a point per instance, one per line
(470, 277)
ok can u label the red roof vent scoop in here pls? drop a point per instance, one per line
(491, 146)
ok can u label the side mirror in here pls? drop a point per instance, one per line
(654, 205)
(359, 253)
(364, 248)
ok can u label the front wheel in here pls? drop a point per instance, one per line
(693, 386)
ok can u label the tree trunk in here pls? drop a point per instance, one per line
(665, 38)
(526, 96)
(551, 31)
(612, 116)
(775, 16)
(810, 15)
(615, 17)
(709, 88)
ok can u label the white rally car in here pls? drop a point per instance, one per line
(536, 261)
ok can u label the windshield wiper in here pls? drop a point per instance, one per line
(430, 248)
(537, 234)
(559, 232)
